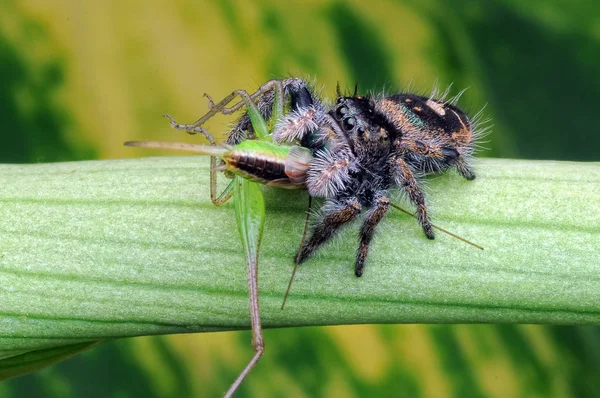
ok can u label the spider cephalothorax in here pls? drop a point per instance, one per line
(363, 147)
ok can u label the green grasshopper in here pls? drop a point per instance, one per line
(241, 161)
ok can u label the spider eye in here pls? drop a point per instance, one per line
(341, 111)
(349, 123)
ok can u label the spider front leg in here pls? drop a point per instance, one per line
(329, 172)
(405, 179)
(294, 92)
(296, 124)
(337, 214)
(372, 218)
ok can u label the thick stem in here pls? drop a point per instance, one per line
(106, 249)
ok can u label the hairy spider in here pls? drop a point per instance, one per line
(363, 147)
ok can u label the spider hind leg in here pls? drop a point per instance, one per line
(406, 180)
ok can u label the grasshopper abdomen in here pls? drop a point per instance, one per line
(269, 163)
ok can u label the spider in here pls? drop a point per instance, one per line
(363, 148)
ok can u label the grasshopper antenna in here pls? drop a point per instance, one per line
(355, 89)
(308, 211)
(438, 228)
(181, 146)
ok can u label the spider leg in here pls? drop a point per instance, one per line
(405, 179)
(295, 90)
(329, 172)
(296, 124)
(437, 157)
(464, 169)
(422, 147)
(372, 218)
(338, 214)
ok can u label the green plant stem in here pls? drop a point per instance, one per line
(106, 249)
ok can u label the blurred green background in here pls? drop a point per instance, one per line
(79, 78)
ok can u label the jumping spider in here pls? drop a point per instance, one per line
(363, 147)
